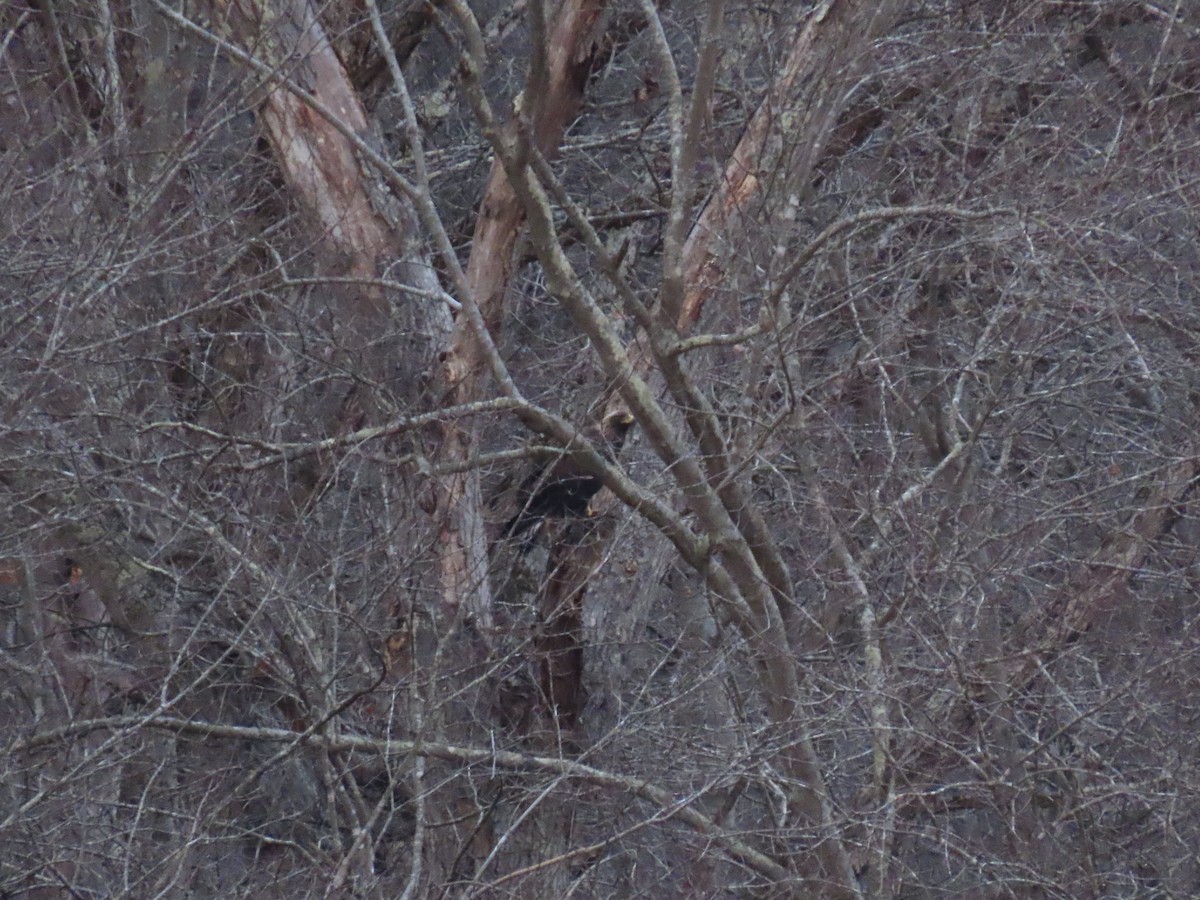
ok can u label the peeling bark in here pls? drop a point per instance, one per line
(570, 55)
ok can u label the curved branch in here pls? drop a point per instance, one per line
(672, 807)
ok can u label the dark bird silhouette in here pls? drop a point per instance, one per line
(561, 487)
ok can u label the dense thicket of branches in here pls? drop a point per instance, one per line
(891, 590)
